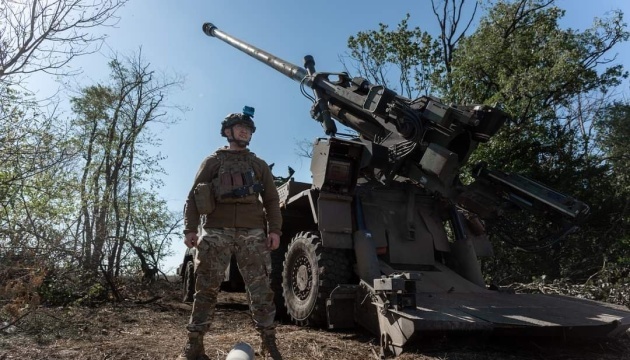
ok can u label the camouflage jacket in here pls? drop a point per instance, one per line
(236, 215)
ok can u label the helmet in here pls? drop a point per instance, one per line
(239, 118)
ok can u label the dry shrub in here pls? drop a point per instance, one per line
(611, 285)
(21, 276)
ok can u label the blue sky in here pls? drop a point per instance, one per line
(221, 79)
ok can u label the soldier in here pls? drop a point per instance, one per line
(228, 189)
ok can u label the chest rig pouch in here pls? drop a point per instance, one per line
(236, 180)
(205, 198)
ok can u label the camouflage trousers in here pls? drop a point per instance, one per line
(254, 262)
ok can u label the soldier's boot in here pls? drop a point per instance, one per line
(268, 346)
(194, 349)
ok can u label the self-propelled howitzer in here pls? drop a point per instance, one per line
(388, 237)
(422, 139)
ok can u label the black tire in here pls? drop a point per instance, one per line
(275, 280)
(188, 282)
(310, 273)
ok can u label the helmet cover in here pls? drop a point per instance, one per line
(244, 118)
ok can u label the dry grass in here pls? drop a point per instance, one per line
(156, 330)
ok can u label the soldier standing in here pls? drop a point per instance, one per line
(228, 189)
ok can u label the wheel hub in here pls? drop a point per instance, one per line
(302, 279)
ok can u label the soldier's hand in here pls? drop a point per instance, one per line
(273, 241)
(191, 239)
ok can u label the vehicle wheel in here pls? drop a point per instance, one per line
(188, 283)
(275, 280)
(310, 273)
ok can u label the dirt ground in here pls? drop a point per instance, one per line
(152, 326)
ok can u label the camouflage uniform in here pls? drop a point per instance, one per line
(236, 191)
(254, 262)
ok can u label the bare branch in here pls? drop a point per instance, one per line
(44, 35)
(304, 148)
(449, 24)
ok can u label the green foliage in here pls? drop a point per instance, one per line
(613, 125)
(412, 53)
(519, 57)
(82, 201)
(544, 76)
(78, 202)
(67, 286)
(36, 184)
(123, 223)
(62, 287)
(611, 283)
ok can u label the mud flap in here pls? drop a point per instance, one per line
(340, 307)
(395, 331)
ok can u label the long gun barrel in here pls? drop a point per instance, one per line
(293, 71)
(377, 113)
(353, 102)
(301, 75)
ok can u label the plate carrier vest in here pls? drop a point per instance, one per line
(237, 180)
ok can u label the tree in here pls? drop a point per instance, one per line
(552, 81)
(33, 151)
(413, 53)
(36, 156)
(44, 35)
(422, 62)
(613, 126)
(77, 199)
(36, 182)
(114, 120)
(451, 34)
(543, 76)
(79, 204)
